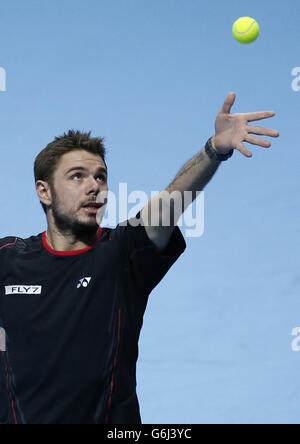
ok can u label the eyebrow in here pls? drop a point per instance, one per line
(80, 168)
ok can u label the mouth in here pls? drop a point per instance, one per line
(92, 207)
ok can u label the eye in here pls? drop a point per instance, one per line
(75, 175)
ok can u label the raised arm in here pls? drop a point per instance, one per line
(231, 130)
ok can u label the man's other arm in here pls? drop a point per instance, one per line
(162, 213)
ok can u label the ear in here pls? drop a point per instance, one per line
(44, 192)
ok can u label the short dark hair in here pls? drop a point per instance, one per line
(46, 162)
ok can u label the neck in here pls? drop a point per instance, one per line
(61, 243)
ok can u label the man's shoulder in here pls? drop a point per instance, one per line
(16, 242)
(8, 240)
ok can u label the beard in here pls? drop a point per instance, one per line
(70, 225)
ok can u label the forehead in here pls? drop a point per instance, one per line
(80, 158)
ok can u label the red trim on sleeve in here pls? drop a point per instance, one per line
(70, 253)
(114, 368)
(8, 389)
(13, 243)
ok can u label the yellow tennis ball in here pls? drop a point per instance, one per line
(246, 30)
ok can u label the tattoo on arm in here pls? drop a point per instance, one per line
(191, 164)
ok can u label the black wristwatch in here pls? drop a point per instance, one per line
(211, 152)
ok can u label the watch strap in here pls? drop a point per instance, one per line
(212, 153)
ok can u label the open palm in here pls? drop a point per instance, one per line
(234, 129)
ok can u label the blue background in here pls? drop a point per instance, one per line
(150, 76)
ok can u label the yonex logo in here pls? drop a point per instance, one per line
(23, 289)
(84, 282)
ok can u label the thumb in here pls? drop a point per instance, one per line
(228, 104)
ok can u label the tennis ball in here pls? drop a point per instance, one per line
(245, 30)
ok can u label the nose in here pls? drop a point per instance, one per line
(92, 186)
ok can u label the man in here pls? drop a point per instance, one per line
(72, 298)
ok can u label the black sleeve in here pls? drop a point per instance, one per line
(3, 379)
(4, 400)
(145, 263)
(3, 393)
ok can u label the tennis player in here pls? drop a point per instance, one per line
(72, 298)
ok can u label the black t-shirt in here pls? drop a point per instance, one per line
(71, 323)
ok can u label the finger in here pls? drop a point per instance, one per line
(262, 131)
(259, 115)
(228, 104)
(241, 147)
(257, 141)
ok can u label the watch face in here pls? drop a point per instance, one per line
(214, 155)
(210, 151)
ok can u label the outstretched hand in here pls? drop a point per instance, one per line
(234, 129)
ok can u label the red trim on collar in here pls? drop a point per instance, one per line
(70, 253)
